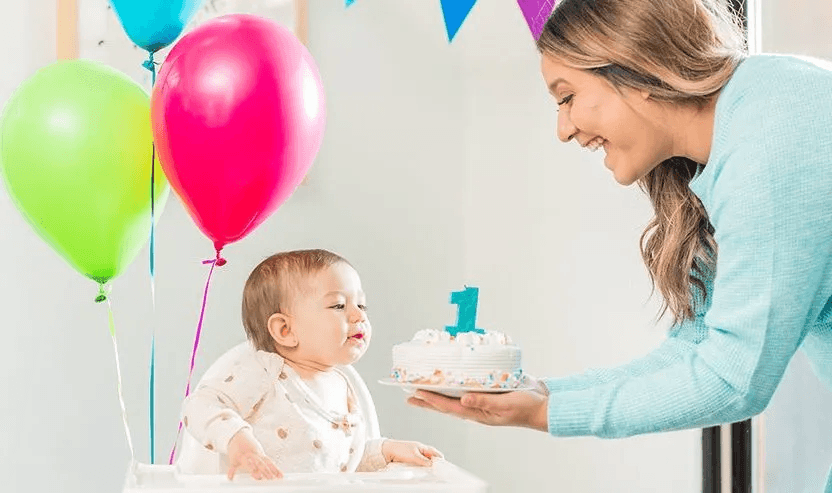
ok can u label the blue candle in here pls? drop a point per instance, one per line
(466, 318)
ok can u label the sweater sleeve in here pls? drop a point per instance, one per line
(220, 406)
(770, 260)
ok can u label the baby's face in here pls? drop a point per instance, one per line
(330, 320)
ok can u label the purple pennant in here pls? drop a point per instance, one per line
(536, 13)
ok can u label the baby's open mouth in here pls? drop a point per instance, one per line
(359, 335)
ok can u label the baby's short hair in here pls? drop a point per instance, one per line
(271, 286)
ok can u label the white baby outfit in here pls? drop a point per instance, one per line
(246, 388)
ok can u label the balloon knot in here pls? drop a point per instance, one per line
(102, 295)
(149, 64)
(220, 261)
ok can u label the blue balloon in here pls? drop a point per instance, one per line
(154, 24)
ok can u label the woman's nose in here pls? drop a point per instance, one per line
(566, 129)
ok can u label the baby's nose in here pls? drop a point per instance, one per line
(358, 316)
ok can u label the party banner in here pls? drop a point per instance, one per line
(536, 12)
(455, 12)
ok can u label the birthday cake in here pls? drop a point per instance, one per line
(467, 359)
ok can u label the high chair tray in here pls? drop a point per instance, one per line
(442, 477)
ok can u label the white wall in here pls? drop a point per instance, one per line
(439, 167)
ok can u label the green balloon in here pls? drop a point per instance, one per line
(75, 154)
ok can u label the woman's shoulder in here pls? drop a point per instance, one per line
(774, 75)
(774, 94)
(770, 127)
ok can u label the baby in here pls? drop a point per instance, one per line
(293, 403)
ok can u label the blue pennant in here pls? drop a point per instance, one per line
(455, 12)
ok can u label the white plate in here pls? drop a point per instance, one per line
(450, 391)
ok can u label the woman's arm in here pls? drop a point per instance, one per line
(772, 227)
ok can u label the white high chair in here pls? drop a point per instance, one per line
(190, 472)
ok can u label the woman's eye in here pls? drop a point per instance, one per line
(339, 306)
(565, 100)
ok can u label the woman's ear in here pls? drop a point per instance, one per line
(280, 328)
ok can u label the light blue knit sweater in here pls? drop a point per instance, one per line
(767, 188)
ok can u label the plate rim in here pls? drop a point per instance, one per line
(426, 386)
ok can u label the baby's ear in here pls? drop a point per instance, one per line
(280, 328)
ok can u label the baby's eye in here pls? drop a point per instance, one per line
(363, 307)
(339, 306)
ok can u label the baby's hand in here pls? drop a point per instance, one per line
(246, 453)
(409, 452)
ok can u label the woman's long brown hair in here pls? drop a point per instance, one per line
(681, 52)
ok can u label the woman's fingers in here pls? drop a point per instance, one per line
(415, 401)
(520, 408)
(445, 404)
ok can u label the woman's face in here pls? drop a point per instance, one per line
(624, 123)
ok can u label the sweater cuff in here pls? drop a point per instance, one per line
(373, 458)
(222, 432)
(570, 413)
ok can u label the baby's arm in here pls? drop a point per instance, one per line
(217, 409)
(217, 415)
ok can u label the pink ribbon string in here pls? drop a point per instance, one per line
(216, 262)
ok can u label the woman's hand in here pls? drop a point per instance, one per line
(519, 408)
(246, 453)
(409, 452)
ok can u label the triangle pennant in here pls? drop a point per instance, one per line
(455, 12)
(347, 3)
(536, 13)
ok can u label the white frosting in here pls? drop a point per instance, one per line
(432, 336)
(467, 338)
(469, 359)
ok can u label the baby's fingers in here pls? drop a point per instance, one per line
(273, 470)
(253, 468)
(417, 459)
(263, 468)
(430, 452)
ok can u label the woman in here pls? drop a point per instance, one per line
(736, 155)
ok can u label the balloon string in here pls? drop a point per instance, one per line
(152, 390)
(150, 65)
(102, 296)
(216, 262)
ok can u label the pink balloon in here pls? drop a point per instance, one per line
(238, 116)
